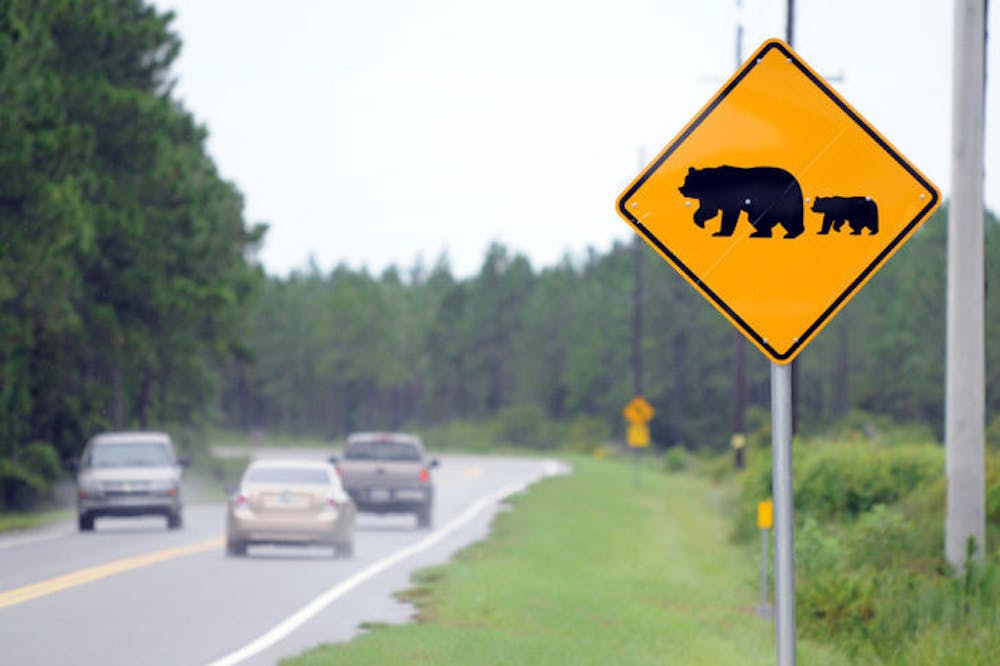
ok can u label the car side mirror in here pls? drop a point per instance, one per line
(333, 460)
(184, 461)
(434, 463)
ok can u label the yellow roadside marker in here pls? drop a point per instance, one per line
(89, 575)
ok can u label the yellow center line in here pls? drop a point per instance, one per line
(89, 575)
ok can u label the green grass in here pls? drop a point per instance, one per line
(589, 569)
(28, 520)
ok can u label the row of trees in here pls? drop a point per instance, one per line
(347, 350)
(123, 254)
(128, 298)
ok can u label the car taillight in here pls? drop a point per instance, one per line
(425, 476)
(240, 500)
(330, 502)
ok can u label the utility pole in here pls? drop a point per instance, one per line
(790, 39)
(637, 305)
(790, 23)
(637, 331)
(738, 442)
(964, 376)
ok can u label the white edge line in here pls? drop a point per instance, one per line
(317, 605)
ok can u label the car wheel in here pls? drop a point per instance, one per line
(424, 517)
(85, 522)
(235, 547)
(174, 520)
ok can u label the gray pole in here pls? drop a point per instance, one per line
(637, 327)
(964, 376)
(790, 40)
(739, 350)
(637, 299)
(764, 609)
(784, 537)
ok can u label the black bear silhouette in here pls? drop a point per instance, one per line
(859, 213)
(769, 196)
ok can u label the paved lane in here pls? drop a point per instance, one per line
(133, 592)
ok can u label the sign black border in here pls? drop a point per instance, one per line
(806, 336)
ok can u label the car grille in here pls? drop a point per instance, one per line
(132, 489)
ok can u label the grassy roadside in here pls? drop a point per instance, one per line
(28, 520)
(589, 569)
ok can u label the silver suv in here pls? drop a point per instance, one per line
(129, 474)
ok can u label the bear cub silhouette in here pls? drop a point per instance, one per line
(769, 196)
(859, 213)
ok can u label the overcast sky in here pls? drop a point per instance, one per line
(393, 131)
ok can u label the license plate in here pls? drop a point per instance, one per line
(378, 495)
(286, 501)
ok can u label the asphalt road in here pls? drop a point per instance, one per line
(133, 592)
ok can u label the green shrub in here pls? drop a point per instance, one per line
(829, 599)
(993, 432)
(20, 488)
(676, 459)
(871, 576)
(524, 426)
(465, 436)
(993, 503)
(817, 550)
(858, 425)
(917, 619)
(585, 434)
(716, 467)
(41, 459)
(838, 481)
(882, 538)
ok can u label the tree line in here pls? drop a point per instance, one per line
(130, 296)
(347, 350)
(124, 255)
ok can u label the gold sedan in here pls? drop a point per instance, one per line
(290, 502)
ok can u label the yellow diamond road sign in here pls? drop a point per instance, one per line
(638, 410)
(778, 201)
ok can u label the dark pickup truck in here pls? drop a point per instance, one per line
(388, 472)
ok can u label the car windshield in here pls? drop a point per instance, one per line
(375, 450)
(129, 454)
(308, 475)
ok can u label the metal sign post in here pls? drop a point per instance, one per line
(784, 538)
(765, 522)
